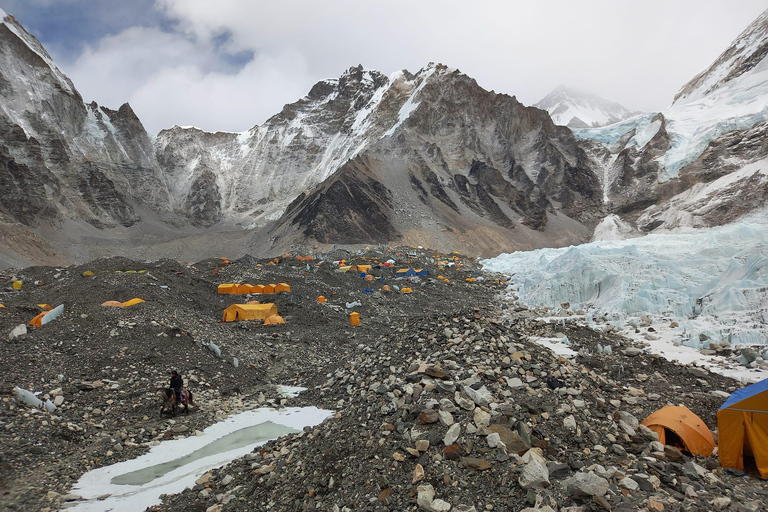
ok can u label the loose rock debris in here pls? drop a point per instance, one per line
(442, 401)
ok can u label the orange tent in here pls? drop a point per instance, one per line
(673, 422)
(246, 288)
(45, 307)
(237, 312)
(274, 319)
(112, 303)
(742, 427)
(321, 298)
(227, 288)
(38, 320)
(132, 302)
(268, 288)
(283, 287)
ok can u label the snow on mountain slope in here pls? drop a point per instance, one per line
(746, 52)
(579, 109)
(265, 168)
(712, 282)
(732, 94)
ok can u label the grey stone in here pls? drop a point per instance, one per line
(535, 474)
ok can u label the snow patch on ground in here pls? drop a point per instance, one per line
(130, 498)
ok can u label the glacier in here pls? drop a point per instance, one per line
(713, 282)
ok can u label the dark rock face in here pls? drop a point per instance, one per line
(23, 192)
(350, 207)
(204, 201)
(637, 186)
(99, 192)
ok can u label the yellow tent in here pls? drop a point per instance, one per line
(227, 288)
(132, 302)
(344, 268)
(237, 312)
(246, 288)
(283, 287)
(1, 306)
(269, 288)
(112, 303)
(364, 268)
(742, 426)
(406, 290)
(674, 422)
(274, 319)
(258, 288)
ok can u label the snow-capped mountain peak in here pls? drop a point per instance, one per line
(580, 109)
(742, 56)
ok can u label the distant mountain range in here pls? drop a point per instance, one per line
(578, 109)
(427, 158)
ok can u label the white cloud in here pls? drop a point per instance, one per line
(170, 78)
(638, 53)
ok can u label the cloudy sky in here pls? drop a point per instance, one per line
(230, 64)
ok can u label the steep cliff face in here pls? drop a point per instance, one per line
(77, 160)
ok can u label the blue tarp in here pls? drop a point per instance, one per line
(744, 393)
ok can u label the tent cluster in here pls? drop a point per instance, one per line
(742, 426)
(126, 304)
(243, 289)
(253, 311)
(410, 272)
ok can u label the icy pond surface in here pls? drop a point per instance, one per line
(172, 466)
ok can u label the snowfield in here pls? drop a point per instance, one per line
(712, 282)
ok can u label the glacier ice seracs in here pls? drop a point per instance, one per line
(712, 282)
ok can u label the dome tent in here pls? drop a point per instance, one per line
(679, 421)
(742, 424)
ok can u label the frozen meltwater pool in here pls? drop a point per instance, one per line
(174, 465)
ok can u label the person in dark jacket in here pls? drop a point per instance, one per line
(176, 384)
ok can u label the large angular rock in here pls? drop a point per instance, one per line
(586, 484)
(535, 474)
(482, 397)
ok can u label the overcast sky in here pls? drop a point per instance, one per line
(231, 64)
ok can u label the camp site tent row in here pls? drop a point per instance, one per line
(126, 304)
(742, 425)
(242, 289)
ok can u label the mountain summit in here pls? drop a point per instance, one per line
(580, 109)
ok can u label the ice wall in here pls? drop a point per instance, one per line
(713, 282)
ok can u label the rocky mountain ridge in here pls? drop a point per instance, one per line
(62, 158)
(425, 158)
